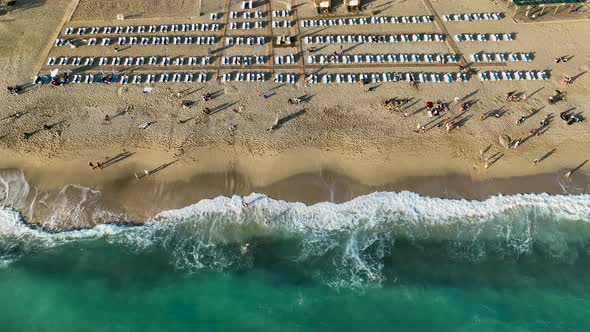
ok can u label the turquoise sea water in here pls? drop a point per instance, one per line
(383, 262)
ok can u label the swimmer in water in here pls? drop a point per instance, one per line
(245, 247)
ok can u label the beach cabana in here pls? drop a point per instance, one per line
(352, 5)
(544, 4)
(323, 6)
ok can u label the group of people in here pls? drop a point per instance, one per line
(514, 97)
(570, 118)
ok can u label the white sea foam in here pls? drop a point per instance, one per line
(356, 235)
(362, 210)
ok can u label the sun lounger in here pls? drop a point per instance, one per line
(88, 78)
(542, 75)
(176, 77)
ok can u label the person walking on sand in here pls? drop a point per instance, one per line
(535, 162)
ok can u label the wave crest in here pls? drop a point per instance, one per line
(344, 245)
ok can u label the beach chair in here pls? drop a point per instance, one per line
(164, 77)
(88, 78)
(530, 76)
(278, 78)
(291, 79)
(435, 77)
(448, 78)
(386, 77)
(526, 56)
(327, 78)
(188, 77)
(375, 78)
(423, 77)
(339, 78)
(416, 38)
(541, 75)
(352, 78)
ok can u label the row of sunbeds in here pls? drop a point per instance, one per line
(366, 20)
(144, 41)
(405, 38)
(484, 37)
(472, 17)
(513, 75)
(132, 78)
(501, 57)
(421, 77)
(130, 61)
(382, 58)
(107, 30)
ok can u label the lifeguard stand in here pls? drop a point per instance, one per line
(353, 5)
(323, 6)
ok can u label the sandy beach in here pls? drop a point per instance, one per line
(340, 133)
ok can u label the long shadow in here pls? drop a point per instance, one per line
(155, 170)
(116, 159)
(470, 95)
(418, 110)
(186, 120)
(288, 118)
(463, 121)
(306, 98)
(222, 107)
(194, 91)
(412, 104)
(495, 160)
(276, 87)
(574, 78)
(13, 116)
(217, 94)
(535, 111)
(51, 126)
(118, 115)
(578, 167)
(30, 134)
(547, 155)
(535, 92)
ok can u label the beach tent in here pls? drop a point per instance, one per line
(322, 6)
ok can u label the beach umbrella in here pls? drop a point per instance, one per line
(505, 140)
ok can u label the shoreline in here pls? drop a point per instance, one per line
(333, 177)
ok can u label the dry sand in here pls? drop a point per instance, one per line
(343, 130)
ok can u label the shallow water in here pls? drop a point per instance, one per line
(383, 261)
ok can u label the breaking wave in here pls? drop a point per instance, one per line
(351, 244)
